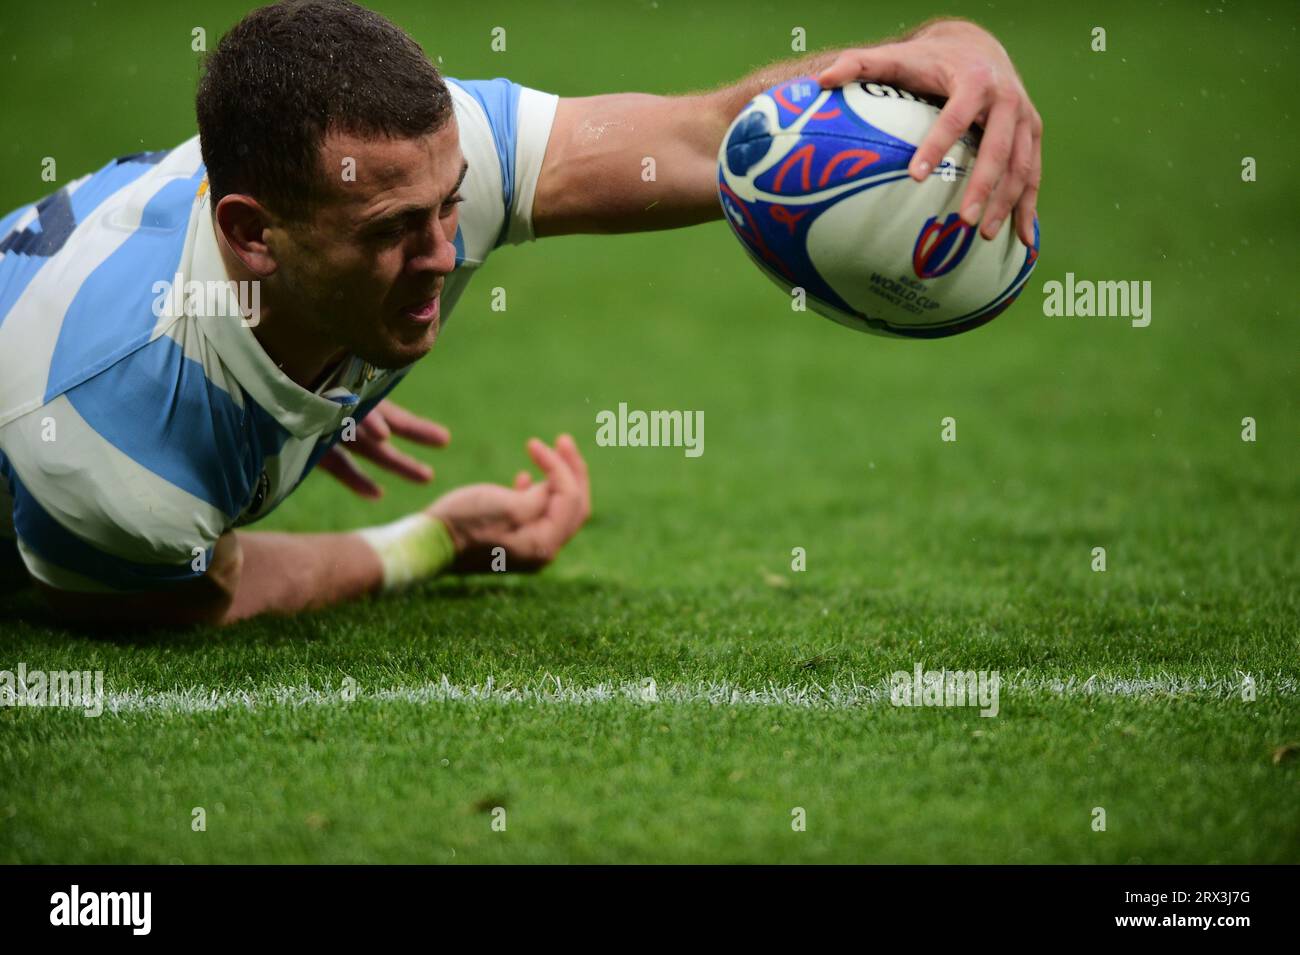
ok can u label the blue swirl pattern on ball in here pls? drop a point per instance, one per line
(830, 153)
(748, 143)
(826, 152)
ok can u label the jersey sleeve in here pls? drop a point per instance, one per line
(504, 129)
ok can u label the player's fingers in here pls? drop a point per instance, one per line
(567, 508)
(1026, 215)
(409, 425)
(886, 63)
(339, 463)
(991, 164)
(1012, 185)
(568, 449)
(523, 480)
(373, 429)
(1027, 207)
(954, 119)
(390, 459)
(553, 466)
(529, 505)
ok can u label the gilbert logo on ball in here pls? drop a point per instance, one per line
(814, 183)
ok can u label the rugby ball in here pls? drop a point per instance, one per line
(815, 185)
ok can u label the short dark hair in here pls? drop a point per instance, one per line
(289, 73)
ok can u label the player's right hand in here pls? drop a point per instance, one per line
(373, 441)
(531, 520)
(965, 63)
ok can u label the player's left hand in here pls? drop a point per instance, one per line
(374, 443)
(971, 68)
(532, 521)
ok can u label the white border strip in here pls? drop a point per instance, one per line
(810, 696)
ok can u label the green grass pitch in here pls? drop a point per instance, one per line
(1122, 690)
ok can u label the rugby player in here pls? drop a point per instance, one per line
(354, 190)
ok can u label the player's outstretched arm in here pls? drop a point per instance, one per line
(594, 177)
(472, 529)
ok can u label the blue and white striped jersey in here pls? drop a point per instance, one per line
(129, 440)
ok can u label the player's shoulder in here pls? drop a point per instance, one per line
(490, 105)
(504, 129)
(174, 409)
(79, 272)
(502, 120)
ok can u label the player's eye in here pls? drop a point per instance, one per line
(450, 205)
(388, 233)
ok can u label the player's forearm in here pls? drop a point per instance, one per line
(633, 162)
(285, 573)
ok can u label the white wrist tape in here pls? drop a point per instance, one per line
(412, 549)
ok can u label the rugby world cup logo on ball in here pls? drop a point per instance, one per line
(815, 185)
(941, 246)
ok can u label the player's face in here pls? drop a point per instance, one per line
(367, 270)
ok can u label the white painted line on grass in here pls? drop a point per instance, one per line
(553, 690)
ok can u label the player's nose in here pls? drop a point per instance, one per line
(437, 253)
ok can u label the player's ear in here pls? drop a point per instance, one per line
(244, 222)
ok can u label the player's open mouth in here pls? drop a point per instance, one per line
(424, 312)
